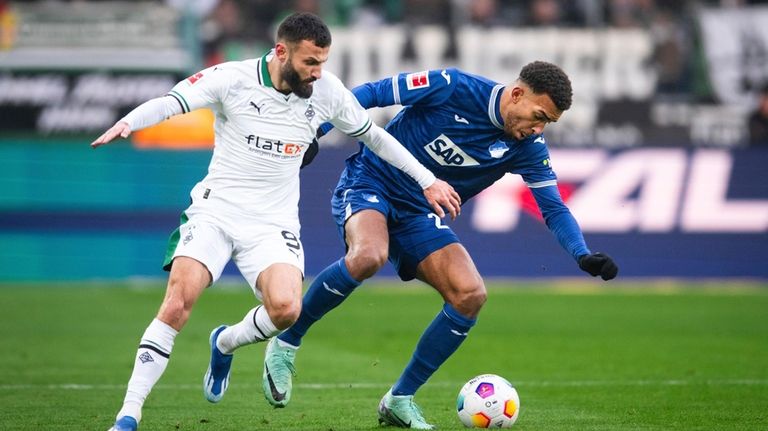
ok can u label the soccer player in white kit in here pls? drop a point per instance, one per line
(246, 208)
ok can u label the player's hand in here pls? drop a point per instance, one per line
(441, 195)
(119, 129)
(310, 154)
(599, 264)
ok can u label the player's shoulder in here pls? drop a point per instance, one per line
(472, 82)
(329, 87)
(534, 147)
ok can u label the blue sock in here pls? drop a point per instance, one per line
(327, 291)
(443, 336)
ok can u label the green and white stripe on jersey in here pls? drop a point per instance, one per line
(362, 130)
(263, 72)
(182, 101)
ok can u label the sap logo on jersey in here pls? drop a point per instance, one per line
(445, 152)
(417, 80)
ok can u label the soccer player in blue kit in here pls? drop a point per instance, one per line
(469, 131)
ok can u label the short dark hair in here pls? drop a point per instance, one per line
(304, 26)
(548, 78)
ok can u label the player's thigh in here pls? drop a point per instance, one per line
(367, 230)
(200, 239)
(451, 271)
(186, 283)
(413, 237)
(259, 248)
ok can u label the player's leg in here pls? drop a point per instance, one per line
(367, 244)
(272, 261)
(451, 272)
(425, 248)
(366, 236)
(187, 280)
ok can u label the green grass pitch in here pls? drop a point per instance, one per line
(633, 356)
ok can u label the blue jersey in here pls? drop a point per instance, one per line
(452, 124)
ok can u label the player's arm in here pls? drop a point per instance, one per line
(202, 89)
(147, 114)
(563, 225)
(536, 169)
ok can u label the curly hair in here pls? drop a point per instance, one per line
(304, 26)
(548, 78)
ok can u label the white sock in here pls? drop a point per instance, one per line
(256, 326)
(151, 359)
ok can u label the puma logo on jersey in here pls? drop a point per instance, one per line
(539, 140)
(460, 119)
(447, 153)
(258, 108)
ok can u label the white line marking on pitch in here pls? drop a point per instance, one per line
(364, 385)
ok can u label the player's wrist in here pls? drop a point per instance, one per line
(427, 179)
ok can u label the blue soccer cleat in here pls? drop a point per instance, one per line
(217, 377)
(125, 423)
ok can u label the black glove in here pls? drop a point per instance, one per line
(599, 264)
(310, 154)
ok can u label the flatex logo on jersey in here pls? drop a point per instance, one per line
(273, 148)
(447, 153)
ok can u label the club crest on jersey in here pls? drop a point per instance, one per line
(497, 149)
(310, 112)
(194, 78)
(447, 153)
(417, 80)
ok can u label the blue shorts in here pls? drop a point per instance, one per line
(413, 235)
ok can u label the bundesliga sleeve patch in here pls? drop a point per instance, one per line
(417, 80)
(194, 78)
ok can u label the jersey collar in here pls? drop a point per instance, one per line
(494, 107)
(263, 70)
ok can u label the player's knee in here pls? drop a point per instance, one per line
(366, 261)
(284, 314)
(470, 300)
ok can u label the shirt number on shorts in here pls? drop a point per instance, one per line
(438, 223)
(290, 240)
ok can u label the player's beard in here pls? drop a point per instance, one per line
(300, 87)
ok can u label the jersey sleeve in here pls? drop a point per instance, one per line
(427, 88)
(204, 89)
(536, 170)
(349, 117)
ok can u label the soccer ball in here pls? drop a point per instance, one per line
(488, 401)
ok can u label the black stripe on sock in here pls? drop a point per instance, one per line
(263, 335)
(155, 349)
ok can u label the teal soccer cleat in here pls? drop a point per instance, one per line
(216, 378)
(278, 373)
(402, 412)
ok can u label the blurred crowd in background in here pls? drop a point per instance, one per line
(238, 29)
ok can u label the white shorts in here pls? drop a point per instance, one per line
(253, 247)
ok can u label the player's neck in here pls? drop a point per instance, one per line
(273, 67)
(505, 102)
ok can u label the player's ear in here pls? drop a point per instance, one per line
(517, 93)
(281, 50)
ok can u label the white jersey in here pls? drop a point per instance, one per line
(261, 135)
